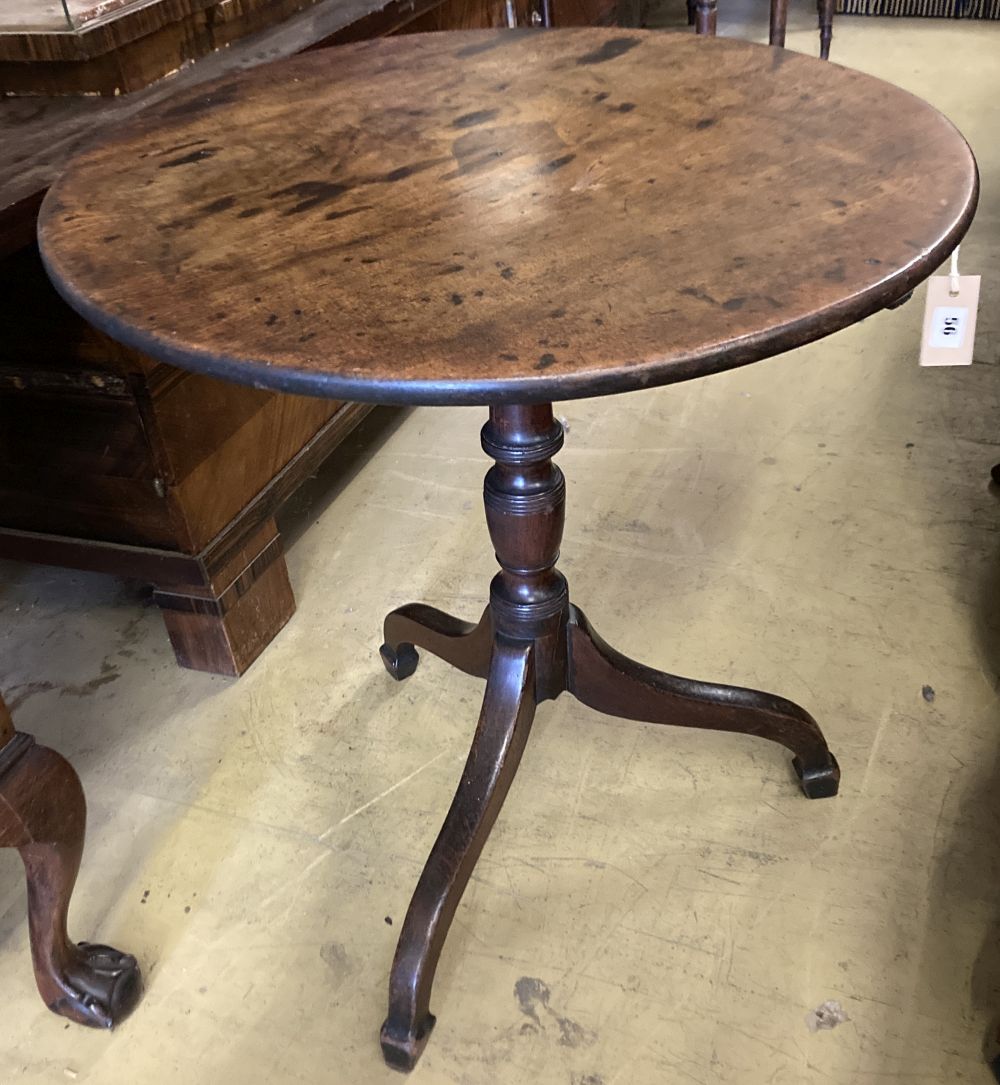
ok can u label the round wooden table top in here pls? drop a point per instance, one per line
(502, 216)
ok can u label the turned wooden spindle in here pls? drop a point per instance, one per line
(525, 499)
(705, 15)
(824, 9)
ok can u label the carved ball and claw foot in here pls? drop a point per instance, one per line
(43, 815)
(99, 987)
(531, 645)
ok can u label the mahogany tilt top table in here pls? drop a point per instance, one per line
(508, 219)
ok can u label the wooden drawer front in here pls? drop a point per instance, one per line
(73, 435)
(109, 509)
(82, 466)
(220, 444)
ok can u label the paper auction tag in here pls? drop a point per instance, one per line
(950, 320)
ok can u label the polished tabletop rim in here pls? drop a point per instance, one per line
(581, 381)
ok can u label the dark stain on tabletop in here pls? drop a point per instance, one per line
(178, 147)
(223, 203)
(185, 160)
(333, 215)
(558, 163)
(701, 295)
(402, 172)
(609, 50)
(480, 116)
(310, 194)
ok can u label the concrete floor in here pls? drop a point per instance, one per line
(654, 906)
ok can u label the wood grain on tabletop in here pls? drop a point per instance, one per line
(507, 215)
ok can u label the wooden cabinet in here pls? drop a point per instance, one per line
(110, 461)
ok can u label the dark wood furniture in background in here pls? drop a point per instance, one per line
(120, 48)
(115, 48)
(114, 462)
(702, 15)
(510, 219)
(43, 814)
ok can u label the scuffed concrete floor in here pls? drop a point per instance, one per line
(655, 905)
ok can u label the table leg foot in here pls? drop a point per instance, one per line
(43, 815)
(462, 644)
(820, 781)
(504, 725)
(401, 1050)
(610, 682)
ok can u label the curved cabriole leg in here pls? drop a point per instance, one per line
(779, 21)
(462, 644)
(611, 682)
(504, 724)
(43, 815)
(824, 9)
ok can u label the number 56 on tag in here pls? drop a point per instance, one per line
(950, 321)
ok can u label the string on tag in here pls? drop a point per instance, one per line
(953, 274)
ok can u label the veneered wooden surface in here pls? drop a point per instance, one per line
(507, 215)
(39, 135)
